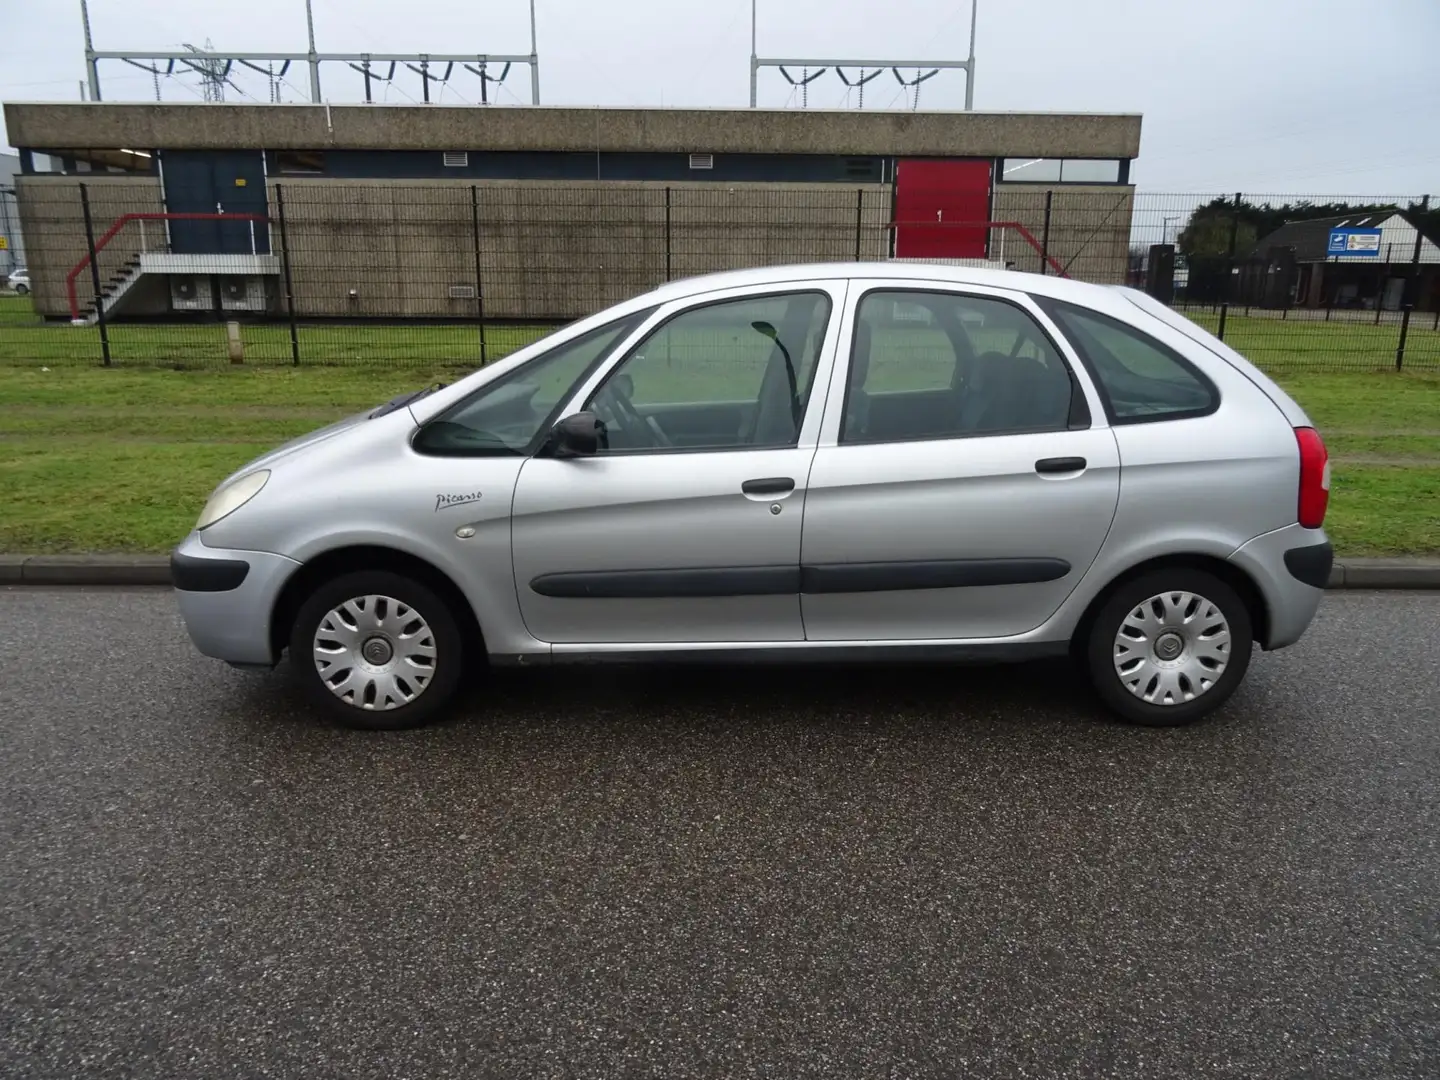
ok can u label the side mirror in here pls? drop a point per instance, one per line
(579, 435)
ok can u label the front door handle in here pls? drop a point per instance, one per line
(1059, 464)
(768, 485)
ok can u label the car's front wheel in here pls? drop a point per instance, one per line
(1169, 647)
(377, 650)
(21, 290)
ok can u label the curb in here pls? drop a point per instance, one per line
(1360, 573)
(85, 569)
(1354, 573)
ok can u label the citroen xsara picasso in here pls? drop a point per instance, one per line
(815, 462)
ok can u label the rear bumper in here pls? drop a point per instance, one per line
(1290, 566)
(1311, 564)
(226, 598)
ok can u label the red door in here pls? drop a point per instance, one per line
(942, 207)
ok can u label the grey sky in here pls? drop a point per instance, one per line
(1286, 96)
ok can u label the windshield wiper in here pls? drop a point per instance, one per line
(401, 400)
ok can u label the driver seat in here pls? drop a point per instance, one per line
(774, 423)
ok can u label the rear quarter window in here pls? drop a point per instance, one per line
(1140, 379)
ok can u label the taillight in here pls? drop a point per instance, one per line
(1314, 478)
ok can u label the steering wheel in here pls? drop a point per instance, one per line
(632, 421)
(607, 413)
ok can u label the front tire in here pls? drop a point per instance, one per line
(377, 650)
(1169, 647)
(22, 290)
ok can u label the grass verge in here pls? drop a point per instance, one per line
(122, 459)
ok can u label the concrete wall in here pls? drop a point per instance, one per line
(556, 251)
(52, 219)
(1089, 228)
(547, 251)
(436, 127)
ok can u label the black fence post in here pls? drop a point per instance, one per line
(479, 284)
(667, 233)
(1229, 266)
(1330, 288)
(859, 219)
(1411, 294)
(1045, 234)
(289, 281)
(95, 275)
(1380, 293)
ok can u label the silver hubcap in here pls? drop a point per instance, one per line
(374, 652)
(1172, 648)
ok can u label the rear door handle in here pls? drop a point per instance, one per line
(768, 485)
(1059, 464)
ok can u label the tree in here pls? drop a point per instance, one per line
(1208, 231)
(1427, 221)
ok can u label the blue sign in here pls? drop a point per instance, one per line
(1353, 243)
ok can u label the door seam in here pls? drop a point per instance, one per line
(844, 313)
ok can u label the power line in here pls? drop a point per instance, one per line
(757, 62)
(214, 67)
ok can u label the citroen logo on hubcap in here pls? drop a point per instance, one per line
(1168, 646)
(377, 651)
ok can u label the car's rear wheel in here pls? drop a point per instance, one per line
(21, 290)
(377, 650)
(1169, 647)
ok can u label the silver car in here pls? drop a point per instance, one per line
(825, 462)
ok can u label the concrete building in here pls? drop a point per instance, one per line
(434, 211)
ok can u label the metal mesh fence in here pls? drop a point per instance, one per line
(410, 274)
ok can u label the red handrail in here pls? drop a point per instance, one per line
(120, 223)
(1025, 234)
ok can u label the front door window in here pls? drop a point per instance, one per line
(726, 376)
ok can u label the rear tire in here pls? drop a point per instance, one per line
(1169, 647)
(22, 290)
(377, 650)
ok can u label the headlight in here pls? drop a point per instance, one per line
(231, 497)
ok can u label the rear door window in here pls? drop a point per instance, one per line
(942, 365)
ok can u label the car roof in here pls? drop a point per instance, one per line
(918, 270)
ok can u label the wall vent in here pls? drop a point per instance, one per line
(702, 161)
(456, 159)
(462, 292)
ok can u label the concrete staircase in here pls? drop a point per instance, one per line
(112, 291)
(115, 290)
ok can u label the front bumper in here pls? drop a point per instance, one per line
(226, 598)
(1290, 566)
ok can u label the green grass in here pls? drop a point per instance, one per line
(121, 459)
(28, 341)
(1385, 510)
(1298, 345)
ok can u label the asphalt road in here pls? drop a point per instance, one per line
(781, 873)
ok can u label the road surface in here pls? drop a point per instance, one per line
(781, 873)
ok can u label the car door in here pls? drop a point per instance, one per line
(965, 478)
(685, 528)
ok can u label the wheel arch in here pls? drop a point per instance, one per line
(1244, 585)
(344, 560)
